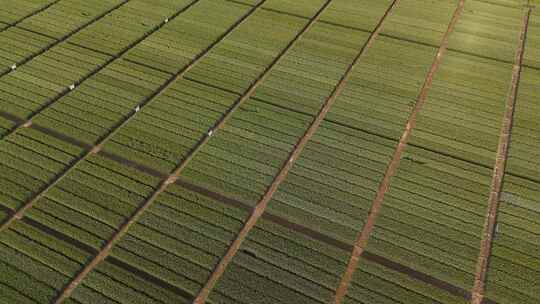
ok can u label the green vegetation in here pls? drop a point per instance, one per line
(101, 100)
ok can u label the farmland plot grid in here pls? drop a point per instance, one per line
(363, 236)
(301, 243)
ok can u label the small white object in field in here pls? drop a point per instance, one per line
(138, 108)
(72, 87)
(210, 132)
(166, 20)
(497, 228)
(13, 67)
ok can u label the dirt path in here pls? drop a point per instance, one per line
(498, 171)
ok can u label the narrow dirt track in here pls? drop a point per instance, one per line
(363, 237)
(478, 290)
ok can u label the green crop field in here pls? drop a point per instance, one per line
(270, 151)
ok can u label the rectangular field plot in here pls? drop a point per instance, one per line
(420, 21)
(463, 112)
(383, 88)
(488, 30)
(362, 15)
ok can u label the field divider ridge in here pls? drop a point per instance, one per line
(499, 168)
(259, 209)
(113, 58)
(65, 37)
(39, 10)
(363, 236)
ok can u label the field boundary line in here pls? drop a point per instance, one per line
(97, 149)
(363, 236)
(32, 14)
(89, 149)
(499, 168)
(260, 207)
(95, 71)
(66, 37)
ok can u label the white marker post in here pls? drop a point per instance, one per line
(72, 87)
(137, 109)
(14, 67)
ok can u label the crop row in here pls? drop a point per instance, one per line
(14, 12)
(65, 17)
(514, 268)
(37, 34)
(87, 114)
